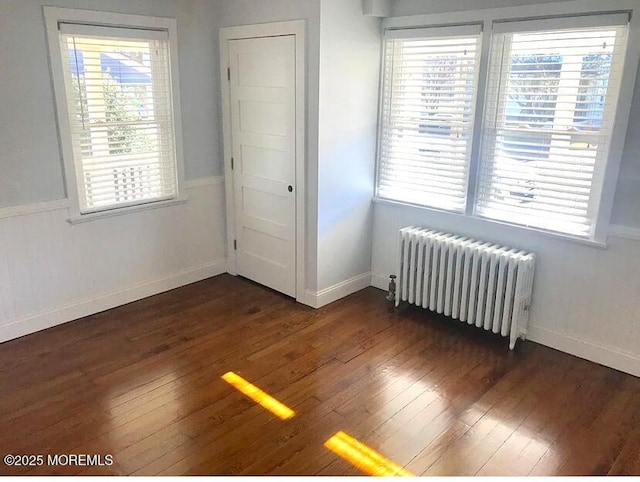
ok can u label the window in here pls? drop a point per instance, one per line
(552, 89)
(428, 100)
(119, 118)
(549, 118)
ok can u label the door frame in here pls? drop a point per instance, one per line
(296, 28)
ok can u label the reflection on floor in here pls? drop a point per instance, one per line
(143, 383)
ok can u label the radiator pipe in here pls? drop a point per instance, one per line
(392, 288)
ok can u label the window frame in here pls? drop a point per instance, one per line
(494, 16)
(53, 16)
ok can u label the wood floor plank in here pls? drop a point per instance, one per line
(142, 383)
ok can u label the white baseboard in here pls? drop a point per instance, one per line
(604, 355)
(111, 300)
(337, 291)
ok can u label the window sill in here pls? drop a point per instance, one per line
(491, 222)
(83, 218)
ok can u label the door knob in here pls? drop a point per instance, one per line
(290, 188)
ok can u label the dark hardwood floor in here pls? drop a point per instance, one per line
(142, 383)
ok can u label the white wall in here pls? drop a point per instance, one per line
(30, 162)
(51, 271)
(626, 207)
(349, 71)
(586, 299)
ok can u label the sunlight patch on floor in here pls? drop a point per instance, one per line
(363, 457)
(260, 397)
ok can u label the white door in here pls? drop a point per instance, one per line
(262, 94)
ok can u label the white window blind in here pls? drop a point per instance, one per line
(428, 99)
(118, 88)
(551, 103)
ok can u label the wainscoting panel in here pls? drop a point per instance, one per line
(52, 271)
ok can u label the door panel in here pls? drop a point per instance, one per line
(262, 91)
(265, 163)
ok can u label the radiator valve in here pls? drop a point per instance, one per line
(392, 288)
